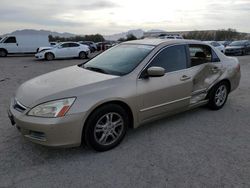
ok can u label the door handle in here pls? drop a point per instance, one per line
(215, 69)
(185, 77)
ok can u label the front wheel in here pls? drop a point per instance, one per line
(218, 96)
(3, 53)
(49, 56)
(106, 127)
(83, 55)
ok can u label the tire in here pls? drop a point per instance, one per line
(83, 55)
(49, 56)
(99, 132)
(218, 96)
(243, 52)
(3, 53)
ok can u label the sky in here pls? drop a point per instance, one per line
(114, 16)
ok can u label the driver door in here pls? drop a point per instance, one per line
(11, 45)
(63, 51)
(169, 93)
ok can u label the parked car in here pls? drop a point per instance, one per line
(92, 45)
(217, 45)
(128, 85)
(19, 44)
(240, 47)
(170, 37)
(63, 50)
(103, 45)
(53, 43)
(225, 42)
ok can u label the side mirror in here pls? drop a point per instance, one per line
(59, 47)
(155, 72)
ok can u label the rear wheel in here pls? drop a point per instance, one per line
(218, 96)
(3, 53)
(49, 56)
(106, 127)
(83, 55)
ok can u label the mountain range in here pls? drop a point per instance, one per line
(40, 32)
(138, 33)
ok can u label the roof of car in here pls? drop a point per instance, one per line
(156, 42)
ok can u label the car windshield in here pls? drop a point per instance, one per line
(58, 44)
(2, 39)
(237, 43)
(119, 60)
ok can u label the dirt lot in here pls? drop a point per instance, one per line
(199, 148)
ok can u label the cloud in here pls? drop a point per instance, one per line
(98, 5)
(110, 16)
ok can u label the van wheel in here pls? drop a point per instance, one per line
(82, 55)
(49, 56)
(218, 96)
(106, 127)
(3, 53)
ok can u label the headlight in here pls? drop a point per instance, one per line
(56, 108)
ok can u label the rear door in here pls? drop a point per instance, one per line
(74, 49)
(160, 95)
(205, 68)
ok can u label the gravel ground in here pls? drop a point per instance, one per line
(198, 148)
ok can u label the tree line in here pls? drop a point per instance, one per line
(94, 38)
(218, 35)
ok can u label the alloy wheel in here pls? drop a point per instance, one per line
(108, 128)
(220, 95)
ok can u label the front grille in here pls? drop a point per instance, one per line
(18, 106)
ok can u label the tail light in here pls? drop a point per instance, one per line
(238, 67)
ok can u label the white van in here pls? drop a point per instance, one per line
(18, 44)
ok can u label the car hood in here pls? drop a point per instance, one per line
(234, 47)
(44, 48)
(48, 86)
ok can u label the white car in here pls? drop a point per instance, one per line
(63, 50)
(217, 45)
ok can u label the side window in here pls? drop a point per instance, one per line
(10, 40)
(73, 45)
(215, 44)
(215, 58)
(171, 58)
(199, 54)
(65, 45)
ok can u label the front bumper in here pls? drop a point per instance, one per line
(39, 55)
(57, 132)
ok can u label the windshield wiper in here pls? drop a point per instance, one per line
(96, 69)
